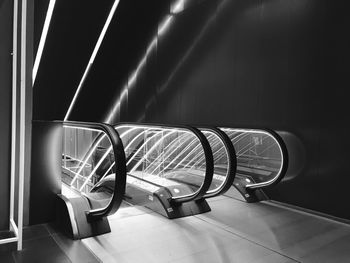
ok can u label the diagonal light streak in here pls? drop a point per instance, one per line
(43, 39)
(151, 150)
(93, 55)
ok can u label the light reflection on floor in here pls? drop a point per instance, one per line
(234, 231)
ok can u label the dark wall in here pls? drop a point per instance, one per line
(272, 63)
(45, 181)
(261, 63)
(40, 9)
(129, 34)
(6, 16)
(74, 30)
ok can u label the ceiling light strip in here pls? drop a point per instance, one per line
(43, 39)
(93, 55)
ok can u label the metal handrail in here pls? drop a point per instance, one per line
(120, 173)
(232, 161)
(209, 170)
(284, 156)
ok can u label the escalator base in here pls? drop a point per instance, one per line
(250, 196)
(72, 220)
(159, 202)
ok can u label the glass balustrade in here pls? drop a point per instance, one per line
(87, 159)
(168, 157)
(224, 160)
(261, 156)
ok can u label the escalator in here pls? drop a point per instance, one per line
(262, 160)
(90, 152)
(172, 170)
(224, 158)
(169, 169)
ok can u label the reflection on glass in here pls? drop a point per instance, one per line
(87, 159)
(221, 166)
(163, 157)
(259, 156)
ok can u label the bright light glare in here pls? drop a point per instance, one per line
(43, 39)
(178, 7)
(164, 26)
(81, 128)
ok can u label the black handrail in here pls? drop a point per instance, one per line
(120, 172)
(284, 153)
(285, 160)
(232, 161)
(209, 168)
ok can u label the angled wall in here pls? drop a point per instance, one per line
(271, 63)
(73, 32)
(261, 63)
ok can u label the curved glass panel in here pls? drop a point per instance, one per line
(163, 157)
(260, 157)
(221, 162)
(88, 158)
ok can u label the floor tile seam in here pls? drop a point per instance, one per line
(13, 256)
(259, 232)
(37, 237)
(120, 253)
(231, 231)
(333, 241)
(282, 207)
(64, 252)
(288, 225)
(47, 229)
(276, 212)
(312, 251)
(92, 252)
(133, 248)
(242, 220)
(107, 252)
(325, 229)
(140, 245)
(307, 212)
(44, 225)
(231, 197)
(212, 200)
(128, 216)
(300, 212)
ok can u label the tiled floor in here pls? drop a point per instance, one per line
(234, 231)
(43, 244)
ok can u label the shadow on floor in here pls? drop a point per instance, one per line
(44, 243)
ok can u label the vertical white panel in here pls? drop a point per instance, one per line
(22, 122)
(14, 109)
